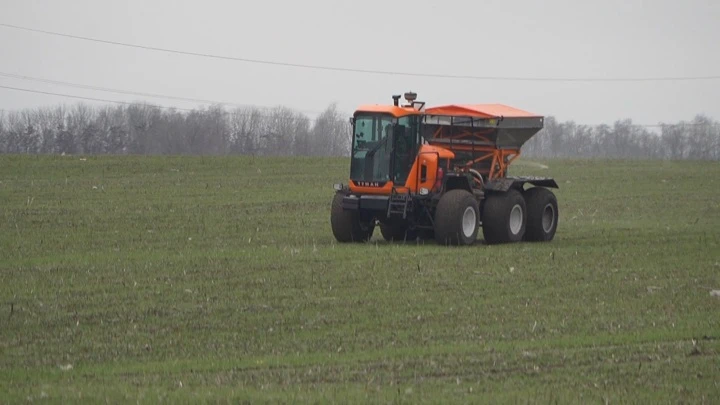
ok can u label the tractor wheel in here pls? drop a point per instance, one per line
(504, 217)
(346, 225)
(542, 214)
(456, 218)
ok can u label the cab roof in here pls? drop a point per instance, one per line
(456, 110)
(388, 109)
(480, 111)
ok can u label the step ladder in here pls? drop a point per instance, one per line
(398, 203)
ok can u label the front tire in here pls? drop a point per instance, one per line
(347, 226)
(504, 217)
(542, 209)
(456, 218)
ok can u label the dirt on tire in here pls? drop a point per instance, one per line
(449, 218)
(542, 214)
(496, 217)
(346, 225)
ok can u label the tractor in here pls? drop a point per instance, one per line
(441, 172)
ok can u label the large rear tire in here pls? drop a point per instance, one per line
(347, 225)
(456, 218)
(542, 214)
(504, 217)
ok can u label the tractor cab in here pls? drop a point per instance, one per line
(385, 141)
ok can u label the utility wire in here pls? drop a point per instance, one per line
(367, 71)
(88, 98)
(135, 93)
(245, 113)
(689, 124)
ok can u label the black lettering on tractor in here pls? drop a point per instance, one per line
(370, 183)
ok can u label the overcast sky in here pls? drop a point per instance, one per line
(521, 38)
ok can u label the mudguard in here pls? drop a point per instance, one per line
(506, 183)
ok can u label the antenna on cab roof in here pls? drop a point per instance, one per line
(411, 96)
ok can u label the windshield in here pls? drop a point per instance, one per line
(376, 138)
(372, 142)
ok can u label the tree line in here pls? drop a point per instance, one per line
(141, 129)
(696, 139)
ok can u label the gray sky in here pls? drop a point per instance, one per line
(521, 38)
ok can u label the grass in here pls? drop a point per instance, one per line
(189, 279)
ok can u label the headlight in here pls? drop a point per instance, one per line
(423, 191)
(338, 186)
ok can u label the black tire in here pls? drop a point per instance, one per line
(346, 225)
(450, 216)
(500, 217)
(542, 214)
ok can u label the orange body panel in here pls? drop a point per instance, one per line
(427, 156)
(384, 190)
(480, 111)
(491, 161)
(396, 112)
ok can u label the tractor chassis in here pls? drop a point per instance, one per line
(416, 212)
(413, 209)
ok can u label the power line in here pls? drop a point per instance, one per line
(248, 113)
(367, 71)
(135, 93)
(88, 98)
(689, 124)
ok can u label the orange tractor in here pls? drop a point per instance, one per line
(442, 172)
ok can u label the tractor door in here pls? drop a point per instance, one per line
(405, 148)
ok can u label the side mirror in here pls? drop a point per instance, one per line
(352, 120)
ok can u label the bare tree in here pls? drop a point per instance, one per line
(331, 133)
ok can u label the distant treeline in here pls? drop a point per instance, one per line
(141, 129)
(696, 139)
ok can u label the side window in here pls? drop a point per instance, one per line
(405, 147)
(407, 134)
(364, 132)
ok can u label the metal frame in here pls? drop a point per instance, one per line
(475, 140)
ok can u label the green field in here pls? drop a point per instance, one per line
(217, 279)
